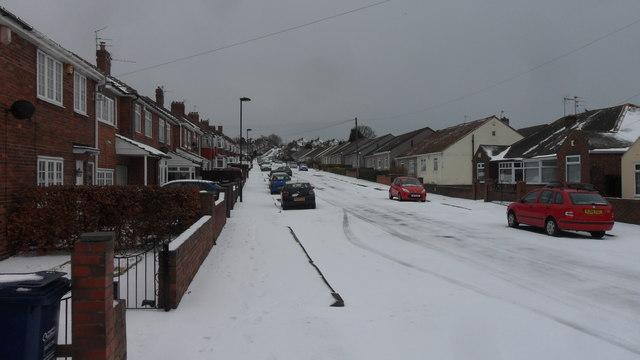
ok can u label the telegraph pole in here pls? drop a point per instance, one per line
(357, 150)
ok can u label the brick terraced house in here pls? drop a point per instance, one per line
(583, 148)
(88, 127)
(58, 144)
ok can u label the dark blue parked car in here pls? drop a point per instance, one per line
(277, 182)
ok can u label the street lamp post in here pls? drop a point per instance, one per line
(248, 145)
(242, 99)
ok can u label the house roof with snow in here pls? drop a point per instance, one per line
(528, 131)
(493, 152)
(613, 127)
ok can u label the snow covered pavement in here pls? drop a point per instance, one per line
(444, 279)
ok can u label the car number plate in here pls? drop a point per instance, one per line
(415, 195)
(593, 211)
(299, 199)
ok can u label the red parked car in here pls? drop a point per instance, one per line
(576, 207)
(407, 188)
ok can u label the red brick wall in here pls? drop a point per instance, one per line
(98, 326)
(183, 263)
(626, 210)
(107, 145)
(605, 173)
(180, 266)
(51, 132)
(125, 117)
(219, 219)
(383, 179)
(459, 191)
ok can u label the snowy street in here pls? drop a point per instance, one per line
(445, 279)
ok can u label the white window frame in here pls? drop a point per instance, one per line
(80, 93)
(435, 164)
(148, 123)
(636, 173)
(105, 177)
(570, 160)
(513, 166)
(168, 134)
(137, 118)
(49, 78)
(480, 167)
(161, 130)
(105, 109)
(51, 169)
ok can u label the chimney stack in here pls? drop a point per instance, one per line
(505, 120)
(103, 59)
(194, 117)
(160, 96)
(220, 129)
(177, 108)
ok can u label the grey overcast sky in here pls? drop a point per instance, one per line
(396, 58)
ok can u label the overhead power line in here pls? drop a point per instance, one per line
(515, 76)
(256, 38)
(330, 125)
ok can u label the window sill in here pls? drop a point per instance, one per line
(107, 123)
(78, 112)
(52, 102)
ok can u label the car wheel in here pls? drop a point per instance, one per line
(550, 227)
(284, 207)
(390, 196)
(312, 206)
(597, 234)
(511, 219)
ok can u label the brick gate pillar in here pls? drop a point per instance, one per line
(98, 326)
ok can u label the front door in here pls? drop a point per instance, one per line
(121, 175)
(80, 172)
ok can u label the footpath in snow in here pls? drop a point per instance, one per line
(440, 280)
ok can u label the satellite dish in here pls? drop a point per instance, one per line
(22, 109)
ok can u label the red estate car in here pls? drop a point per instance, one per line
(576, 207)
(407, 188)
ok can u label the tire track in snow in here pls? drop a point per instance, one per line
(471, 253)
(606, 337)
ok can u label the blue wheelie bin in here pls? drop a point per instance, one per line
(29, 311)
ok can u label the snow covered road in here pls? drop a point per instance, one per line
(444, 279)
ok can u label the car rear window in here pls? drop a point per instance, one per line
(281, 177)
(298, 186)
(587, 199)
(411, 182)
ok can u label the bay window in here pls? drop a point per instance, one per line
(532, 171)
(573, 169)
(510, 172)
(180, 172)
(49, 76)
